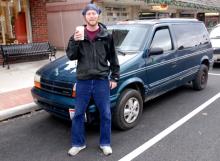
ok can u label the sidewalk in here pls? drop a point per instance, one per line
(15, 86)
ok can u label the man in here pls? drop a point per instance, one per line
(93, 52)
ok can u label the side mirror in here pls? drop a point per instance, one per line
(156, 51)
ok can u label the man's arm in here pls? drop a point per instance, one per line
(113, 59)
(72, 49)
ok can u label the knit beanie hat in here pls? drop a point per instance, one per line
(91, 6)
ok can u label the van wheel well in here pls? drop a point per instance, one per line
(206, 62)
(137, 86)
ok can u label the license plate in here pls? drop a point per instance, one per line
(71, 113)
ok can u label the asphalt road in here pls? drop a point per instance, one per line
(41, 137)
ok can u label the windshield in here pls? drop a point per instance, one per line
(215, 32)
(129, 37)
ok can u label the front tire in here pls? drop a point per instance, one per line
(128, 109)
(201, 79)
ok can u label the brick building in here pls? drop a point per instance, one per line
(64, 16)
(23, 21)
(38, 16)
(26, 21)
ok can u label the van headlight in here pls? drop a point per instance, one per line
(74, 90)
(37, 81)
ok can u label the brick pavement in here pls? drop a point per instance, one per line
(15, 98)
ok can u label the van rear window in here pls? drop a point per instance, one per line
(190, 35)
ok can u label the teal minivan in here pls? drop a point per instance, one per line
(155, 56)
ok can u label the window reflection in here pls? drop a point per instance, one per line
(162, 40)
(129, 37)
(13, 21)
(190, 35)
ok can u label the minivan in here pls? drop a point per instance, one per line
(155, 57)
(215, 41)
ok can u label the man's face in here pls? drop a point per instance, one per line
(91, 17)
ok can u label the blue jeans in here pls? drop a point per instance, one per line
(100, 91)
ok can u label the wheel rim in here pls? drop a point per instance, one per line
(131, 110)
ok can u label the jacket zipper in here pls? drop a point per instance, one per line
(94, 55)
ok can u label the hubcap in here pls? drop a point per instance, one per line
(131, 110)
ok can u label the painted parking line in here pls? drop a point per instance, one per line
(167, 131)
(214, 74)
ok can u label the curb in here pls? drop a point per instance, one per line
(18, 110)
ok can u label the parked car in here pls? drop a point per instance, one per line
(215, 40)
(155, 56)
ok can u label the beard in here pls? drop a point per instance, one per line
(92, 23)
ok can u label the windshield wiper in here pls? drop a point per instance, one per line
(120, 52)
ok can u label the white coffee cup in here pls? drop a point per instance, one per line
(81, 29)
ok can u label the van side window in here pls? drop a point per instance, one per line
(162, 39)
(190, 35)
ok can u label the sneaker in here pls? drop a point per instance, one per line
(75, 150)
(107, 150)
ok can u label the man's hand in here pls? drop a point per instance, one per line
(78, 36)
(112, 84)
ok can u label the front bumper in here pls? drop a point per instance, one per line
(57, 105)
(216, 55)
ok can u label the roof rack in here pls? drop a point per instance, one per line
(155, 21)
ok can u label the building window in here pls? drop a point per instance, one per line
(116, 14)
(124, 14)
(13, 26)
(109, 14)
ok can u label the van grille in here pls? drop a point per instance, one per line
(62, 88)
